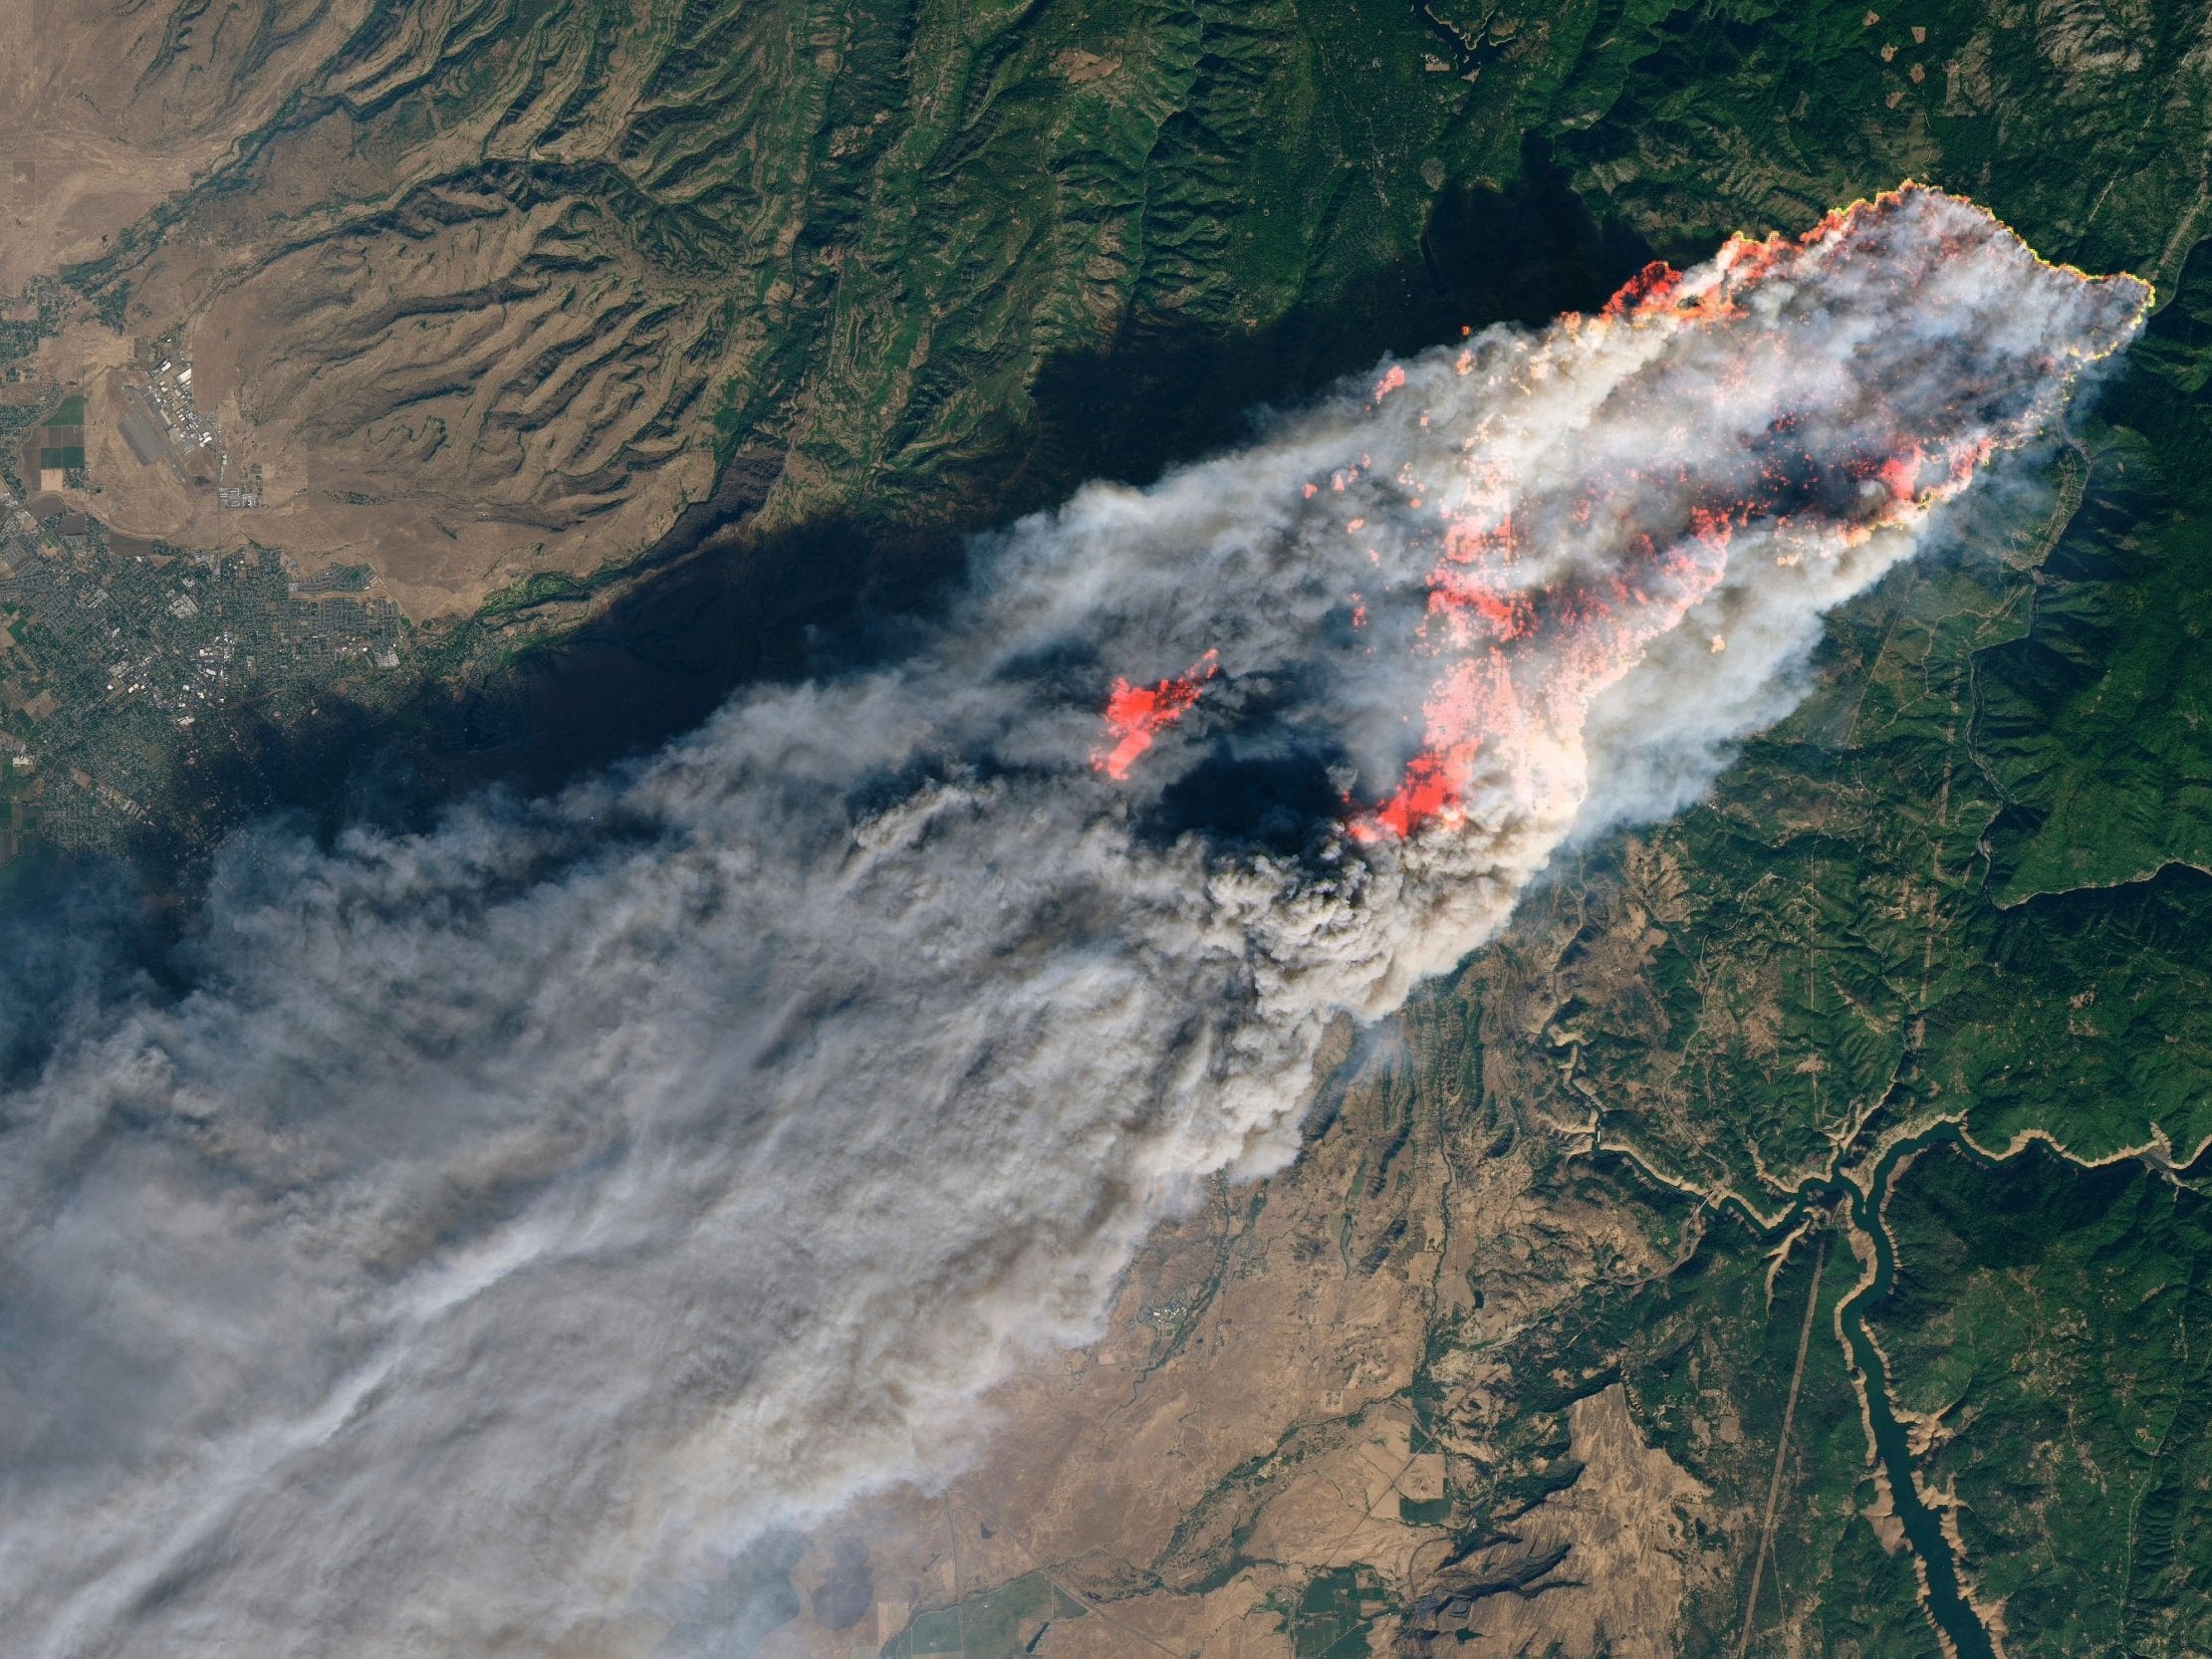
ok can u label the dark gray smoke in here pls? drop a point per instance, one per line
(515, 1223)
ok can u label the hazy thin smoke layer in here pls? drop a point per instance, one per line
(516, 1219)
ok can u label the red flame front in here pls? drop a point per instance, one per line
(1135, 714)
(1525, 639)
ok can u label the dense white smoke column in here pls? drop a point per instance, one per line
(516, 1219)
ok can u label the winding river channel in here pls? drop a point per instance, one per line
(1947, 1602)
(1954, 1615)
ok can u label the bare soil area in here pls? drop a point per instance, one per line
(108, 108)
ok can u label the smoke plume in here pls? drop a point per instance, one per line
(510, 1222)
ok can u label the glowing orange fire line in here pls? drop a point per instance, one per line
(1571, 643)
(1135, 714)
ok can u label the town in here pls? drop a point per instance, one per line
(128, 666)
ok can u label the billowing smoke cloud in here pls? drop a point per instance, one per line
(513, 1220)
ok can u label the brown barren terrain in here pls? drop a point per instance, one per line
(1247, 1424)
(108, 108)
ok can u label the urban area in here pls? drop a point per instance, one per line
(130, 669)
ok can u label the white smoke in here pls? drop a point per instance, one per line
(513, 1220)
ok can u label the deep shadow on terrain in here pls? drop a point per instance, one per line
(719, 606)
